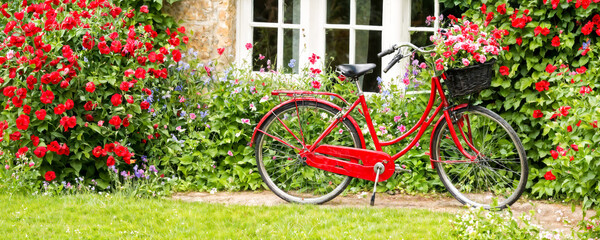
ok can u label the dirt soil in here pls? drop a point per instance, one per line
(551, 216)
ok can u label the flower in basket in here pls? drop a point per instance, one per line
(464, 43)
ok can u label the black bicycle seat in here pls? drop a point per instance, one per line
(355, 70)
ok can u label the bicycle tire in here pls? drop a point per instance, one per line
(498, 177)
(312, 186)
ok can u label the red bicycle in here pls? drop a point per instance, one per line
(309, 149)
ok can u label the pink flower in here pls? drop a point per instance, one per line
(246, 121)
(397, 118)
(229, 153)
(192, 116)
(6, 166)
(383, 130)
(423, 65)
(100, 123)
(261, 57)
(144, 9)
(401, 128)
(248, 46)
(466, 62)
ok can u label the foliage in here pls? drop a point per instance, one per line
(104, 216)
(546, 37)
(76, 85)
(478, 223)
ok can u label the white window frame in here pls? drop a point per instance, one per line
(395, 28)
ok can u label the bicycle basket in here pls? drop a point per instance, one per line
(469, 80)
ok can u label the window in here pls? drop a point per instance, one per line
(275, 33)
(350, 31)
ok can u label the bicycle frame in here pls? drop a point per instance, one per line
(369, 157)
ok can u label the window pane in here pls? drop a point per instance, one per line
(421, 39)
(420, 10)
(337, 46)
(265, 11)
(265, 43)
(292, 11)
(291, 43)
(338, 11)
(369, 12)
(368, 44)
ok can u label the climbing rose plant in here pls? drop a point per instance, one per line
(74, 79)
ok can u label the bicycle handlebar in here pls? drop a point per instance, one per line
(399, 55)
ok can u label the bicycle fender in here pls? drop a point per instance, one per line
(439, 121)
(260, 123)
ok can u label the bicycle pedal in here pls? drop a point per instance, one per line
(402, 169)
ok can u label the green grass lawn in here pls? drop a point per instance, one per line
(102, 217)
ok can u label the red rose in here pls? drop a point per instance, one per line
(115, 121)
(27, 109)
(15, 136)
(125, 85)
(145, 105)
(90, 87)
(21, 151)
(18, 102)
(59, 109)
(542, 85)
(575, 147)
(53, 146)
(63, 150)
(554, 154)
(581, 70)
(537, 114)
(9, 91)
(110, 161)
(97, 151)
(143, 9)
(89, 117)
(23, 122)
(556, 41)
(88, 41)
(130, 99)
(109, 147)
(116, 46)
(501, 9)
(569, 129)
(140, 73)
(89, 106)
(40, 152)
(49, 176)
(116, 99)
(69, 104)
(40, 114)
(504, 71)
(121, 151)
(68, 122)
(549, 176)
(176, 55)
(550, 68)
(125, 122)
(35, 140)
(47, 97)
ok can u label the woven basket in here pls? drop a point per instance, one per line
(469, 80)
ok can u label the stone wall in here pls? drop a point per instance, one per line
(212, 23)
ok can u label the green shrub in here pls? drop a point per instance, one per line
(547, 37)
(90, 67)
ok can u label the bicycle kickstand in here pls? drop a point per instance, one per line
(379, 169)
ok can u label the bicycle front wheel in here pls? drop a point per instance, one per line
(498, 176)
(280, 165)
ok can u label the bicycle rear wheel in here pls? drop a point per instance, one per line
(280, 165)
(498, 176)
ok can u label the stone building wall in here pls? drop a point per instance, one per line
(212, 23)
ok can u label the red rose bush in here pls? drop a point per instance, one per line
(70, 66)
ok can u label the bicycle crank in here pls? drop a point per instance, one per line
(378, 169)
